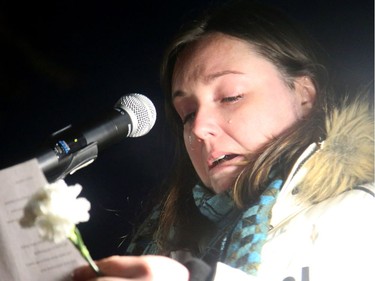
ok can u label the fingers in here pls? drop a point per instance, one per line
(142, 268)
(115, 266)
(83, 273)
(112, 279)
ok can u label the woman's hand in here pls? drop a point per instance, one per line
(143, 268)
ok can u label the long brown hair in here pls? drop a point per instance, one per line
(281, 42)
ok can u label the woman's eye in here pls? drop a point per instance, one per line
(188, 118)
(232, 98)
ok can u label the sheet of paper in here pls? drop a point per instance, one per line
(23, 255)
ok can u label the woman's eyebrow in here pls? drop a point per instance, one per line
(207, 79)
(177, 94)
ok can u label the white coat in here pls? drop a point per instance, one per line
(333, 238)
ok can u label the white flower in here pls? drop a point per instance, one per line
(55, 210)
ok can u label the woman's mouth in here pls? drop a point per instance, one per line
(222, 159)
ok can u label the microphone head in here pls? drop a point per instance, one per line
(142, 113)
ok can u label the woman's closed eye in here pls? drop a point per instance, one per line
(231, 98)
(188, 118)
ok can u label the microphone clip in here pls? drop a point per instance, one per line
(67, 165)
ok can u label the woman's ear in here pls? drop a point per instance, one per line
(306, 93)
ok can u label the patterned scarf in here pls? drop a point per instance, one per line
(244, 237)
(240, 236)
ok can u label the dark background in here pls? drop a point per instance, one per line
(65, 62)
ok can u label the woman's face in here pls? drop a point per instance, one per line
(231, 101)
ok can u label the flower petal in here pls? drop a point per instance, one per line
(55, 209)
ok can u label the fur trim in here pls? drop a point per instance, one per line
(345, 158)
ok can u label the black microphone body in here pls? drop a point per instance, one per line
(73, 148)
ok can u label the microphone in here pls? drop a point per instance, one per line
(70, 148)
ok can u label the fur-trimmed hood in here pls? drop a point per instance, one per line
(345, 158)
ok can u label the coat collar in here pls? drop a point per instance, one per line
(287, 204)
(344, 160)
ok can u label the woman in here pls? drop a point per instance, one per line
(274, 180)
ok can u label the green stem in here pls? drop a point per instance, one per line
(76, 238)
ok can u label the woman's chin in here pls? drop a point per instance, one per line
(222, 186)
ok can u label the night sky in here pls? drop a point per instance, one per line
(68, 61)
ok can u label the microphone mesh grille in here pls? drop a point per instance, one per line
(142, 113)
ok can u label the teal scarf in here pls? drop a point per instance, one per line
(241, 234)
(242, 244)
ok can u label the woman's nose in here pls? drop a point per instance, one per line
(205, 124)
